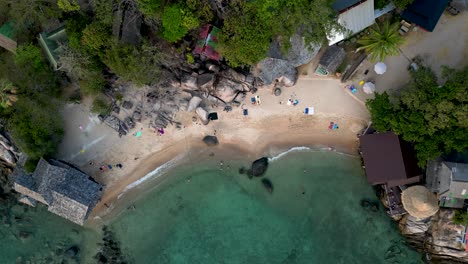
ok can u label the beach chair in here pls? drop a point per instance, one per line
(246, 112)
(252, 100)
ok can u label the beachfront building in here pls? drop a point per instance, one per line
(330, 60)
(390, 161)
(449, 180)
(66, 191)
(425, 13)
(6, 37)
(207, 42)
(50, 44)
(355, 16)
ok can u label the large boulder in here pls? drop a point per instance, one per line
(7, 155)
(270, 70)
(205, 81)
(193, 103)
(227, 89)
(299, 53)
(189, 82)
(203, 115)
(72, 251)
(259, 167)
(210, 140)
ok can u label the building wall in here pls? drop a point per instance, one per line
(28, 192)
(8, 43)
(355, 20)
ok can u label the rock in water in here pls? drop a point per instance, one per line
(268, 185)
(259, 167)
(211, 140)
(72, 251)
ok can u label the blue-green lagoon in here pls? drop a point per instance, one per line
(208, 213)
(204, 212)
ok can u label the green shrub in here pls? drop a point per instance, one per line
(30, 56)
(460, 217)
(68, 5)
(96, 36)
(93, 85)
(36, 126)
(177, 21)
(100, 106)
(190, 58)
(30, 165)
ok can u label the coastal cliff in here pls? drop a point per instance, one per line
(438, 236)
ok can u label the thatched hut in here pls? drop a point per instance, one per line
(419, 202)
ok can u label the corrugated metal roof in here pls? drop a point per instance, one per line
(355, 20)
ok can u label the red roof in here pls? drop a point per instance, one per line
(207, 42)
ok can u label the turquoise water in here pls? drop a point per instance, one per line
(202, 214)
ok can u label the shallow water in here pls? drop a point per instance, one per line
(35, 235)
(202, 214)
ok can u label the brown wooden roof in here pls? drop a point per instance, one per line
(389, 160)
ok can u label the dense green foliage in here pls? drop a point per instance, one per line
(36, 126)
(68, 5)
(460, 217)
(150, 8)
(177, 21)
(382, 41)
(95, 37)
(33, 120)
(431, 116)
(31, 13)
(251, 25)
(142, 66)
(402, 3)
(100, 106)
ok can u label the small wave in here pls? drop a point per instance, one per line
(280, 155)
(156, 172)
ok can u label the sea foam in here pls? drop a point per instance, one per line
(152, 175)
(284, 153)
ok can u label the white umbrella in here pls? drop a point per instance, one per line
(380, 68)
(368, 88)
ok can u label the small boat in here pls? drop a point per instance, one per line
(268, 185)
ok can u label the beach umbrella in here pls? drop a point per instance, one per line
(368, 88)
(419, 202)
(380, 68)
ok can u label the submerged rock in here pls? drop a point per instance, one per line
(210, 140)
(268, 185)
(259, 167)
(72, 251)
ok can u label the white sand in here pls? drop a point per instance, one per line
(268, 128)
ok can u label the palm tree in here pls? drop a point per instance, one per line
(382, 41)
(7, 93)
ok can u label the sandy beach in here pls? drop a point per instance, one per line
(268, 129)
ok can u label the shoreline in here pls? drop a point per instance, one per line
(154, 169)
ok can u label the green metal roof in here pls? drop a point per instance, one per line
(7, 30)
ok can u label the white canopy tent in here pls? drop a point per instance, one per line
(380, 68)
(368, 88)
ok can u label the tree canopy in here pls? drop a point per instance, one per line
(250, 26)
(431, 116)
(382, 41)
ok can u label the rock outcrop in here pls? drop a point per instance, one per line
(299, 53)
(438, 236)
(259, 167)
(210, 140)
(272, 70)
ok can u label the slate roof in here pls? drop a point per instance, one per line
(389, 160)
(341, 5)
(332, 58)
(425, 13)
(448, 179)
(67, 191)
